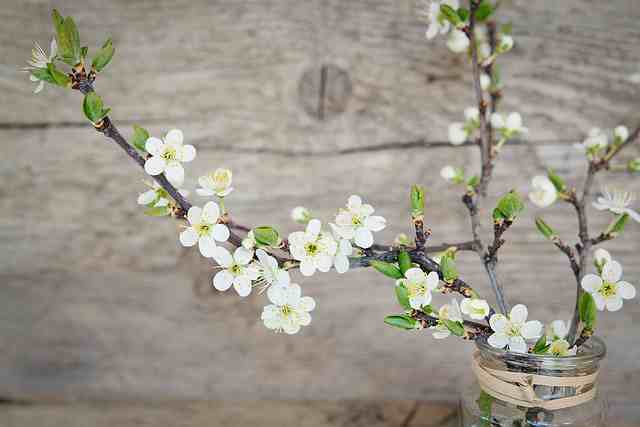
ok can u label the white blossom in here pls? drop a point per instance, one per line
(597, 140)
(358, 223)
(436, 22)
(288, 310)
(607, 289)
(237, 270)
(472, 114)
(157, 197)
(269, 272)
(556, 330)
(505, 43)
(167, 156)
(485, 81)
(450, 312)
(601, 257)
(314, 248)
(301, 215)
(561, 348)
(556, 334)
(616, 201)
(457, 41)
(216, 183)
(344, 251)
(204, 229)
(475, 308)
(451, 174)
(457, 133)
(509, 126)
(249, 242)
(621, 133)
(513, 331)
(543, 193)
(419, 286)
(39, 60)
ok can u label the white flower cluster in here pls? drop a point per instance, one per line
(513, 331)
(597, 141)
(607, 288)
(459, 132)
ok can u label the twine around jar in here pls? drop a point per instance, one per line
(518, 389)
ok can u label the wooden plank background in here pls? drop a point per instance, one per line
(98, 301)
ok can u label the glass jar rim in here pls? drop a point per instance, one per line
(595, 348)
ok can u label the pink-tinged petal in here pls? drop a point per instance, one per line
(221, 232)
(242, 286)
(174, 173)
(207, 246)
(313, 227)
(531, 330)
(222, 256)
(341, 263)
(354, 202)
(188, 153)
(154, 165)
(363, 238)
(517, 345)
(188, 237)
(518, 314)
(222, 280)
(243, 256)
(612, 272)
(626, 290)
(599, 300)
(307, 268)
(498, 323)
(154, 146)
(375, 223)
(498, 340)
(194, 215)
(614, 303)
(210, 213)
(591, 283)
(174, 137)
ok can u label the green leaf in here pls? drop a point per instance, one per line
(139, 138)
(541, 345)
(587, 309)
(404, 261)
(68, 39)
(473, 181)
(403, 296)
(617, 225)
(485, 402)
(484, 10)
(266, 236)
(508, 207)
(387, 269)
(103, 57)
(448, 268)
(43, 74)
(401, 321)
(556, 181)
(158, 211)
(634, 165)
(450, 15)
(455, 328)
(463, 14)
(543, 228)
(59, 78)
(417, 200)
(84, 51)
(93, 108)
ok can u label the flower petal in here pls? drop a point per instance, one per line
(154, 146)
(282, 278)
(221, 232)
(517, 345)
(154, 165)
(313, 227)
(307, 268)
(614, 303)
(498, 340)
(194, 215)
(345, 247)
(189, 237)
(242, 286)
(174, 137)
(518, 314)
(324, 263)
(174, 173)
(188, 153)
(363, 238)
(242, 256)
(599, 300)
(498, 323)
(626, 290)
(304, 318)
(222, 280)
(222, 256)
(293, 294)
(146, 197)
(612, 272)
(531, 330)
(432, 280)
(210, 213)
(375, 223)
(277, 294)
(591, 283)
(307, 304)
(354, 202)
(341, 262)
(207, 246)
(205, 192)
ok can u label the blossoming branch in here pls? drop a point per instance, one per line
(248, 258)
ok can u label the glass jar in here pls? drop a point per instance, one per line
(479, 409)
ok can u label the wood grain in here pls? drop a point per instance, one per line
(98, 301)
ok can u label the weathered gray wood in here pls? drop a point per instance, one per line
(97, 300)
